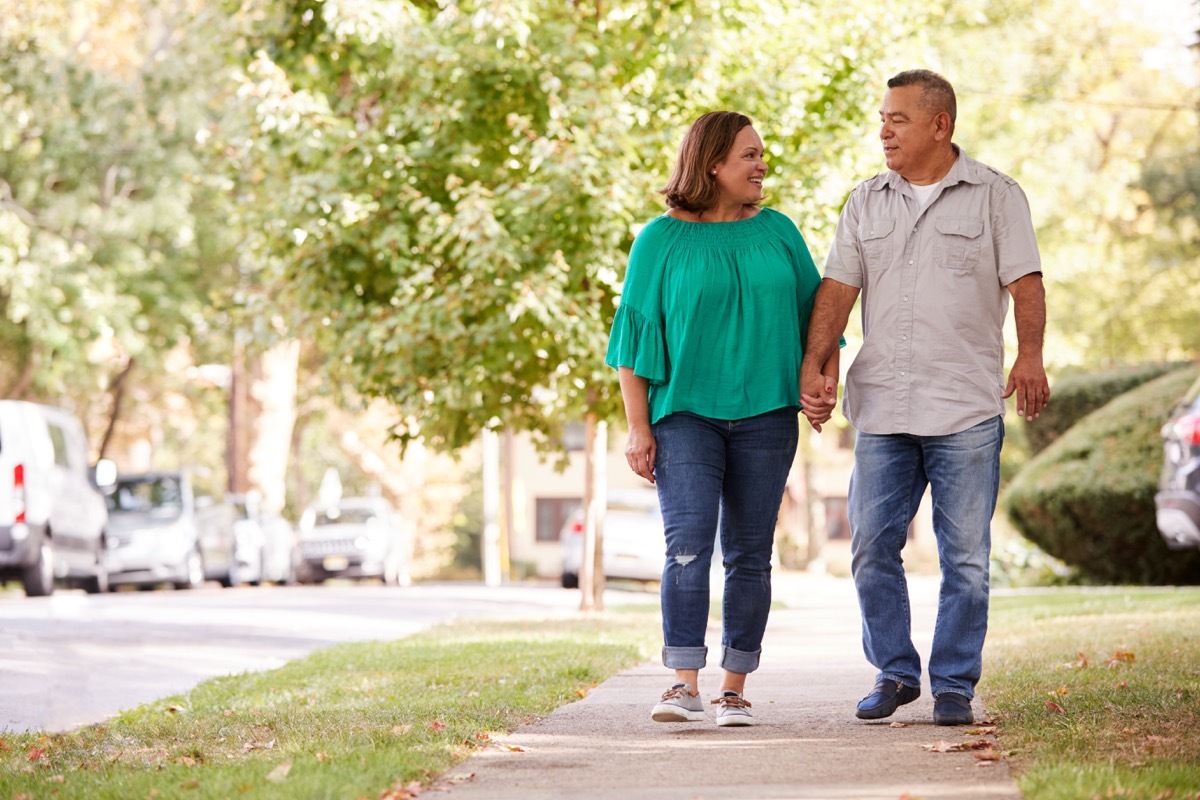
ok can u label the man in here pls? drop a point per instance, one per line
(935, 245)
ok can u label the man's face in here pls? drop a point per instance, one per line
(908, 132)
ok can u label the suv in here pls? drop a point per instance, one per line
(161, 532)
(52, 515)
(356, 537)
(1178, 498)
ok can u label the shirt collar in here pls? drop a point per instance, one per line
(960, 172)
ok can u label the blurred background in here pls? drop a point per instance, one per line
(377, 244)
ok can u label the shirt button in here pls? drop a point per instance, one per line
(901, 374)
(906, 298)
(910, 261)
(904, 338)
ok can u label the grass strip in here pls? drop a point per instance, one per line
(355, 720)
(1097, 691)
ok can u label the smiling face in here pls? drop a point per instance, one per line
(739, 175)
(916, 140)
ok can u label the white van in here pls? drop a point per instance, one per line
(52, 513)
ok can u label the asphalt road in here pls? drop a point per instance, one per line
(73, 659)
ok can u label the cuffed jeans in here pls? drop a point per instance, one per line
(733, 471)
(889, 479)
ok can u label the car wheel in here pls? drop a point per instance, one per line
(193, 570)
(570, 580)
(38, 577)
(97, 583)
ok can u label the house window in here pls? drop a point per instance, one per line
(574, 437)
(837, 521)
(552, 513)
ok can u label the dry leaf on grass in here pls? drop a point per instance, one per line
(437, 725)
(280, 773)
(1121, 657)
(176, 709)
(406, 792)
(268, 745)
(1055, 707)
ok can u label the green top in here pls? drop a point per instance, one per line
(714, 315)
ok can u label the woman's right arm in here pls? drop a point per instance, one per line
(639, 450)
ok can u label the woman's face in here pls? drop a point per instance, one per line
(740, 174)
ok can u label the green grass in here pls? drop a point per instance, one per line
(1097, 692)
(350, 721)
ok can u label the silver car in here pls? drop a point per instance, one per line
(634, 544)
(355, 537)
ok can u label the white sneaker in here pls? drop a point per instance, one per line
(733, 710)
(680, 703)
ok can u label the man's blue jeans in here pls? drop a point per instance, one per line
(733, 471)
(890, 476)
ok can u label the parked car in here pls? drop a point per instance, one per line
(355, 537)
(1178, 500)
(267, 546)
(161, 532)
(52, 514)
(634, 545)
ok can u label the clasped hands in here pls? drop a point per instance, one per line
(818, 397)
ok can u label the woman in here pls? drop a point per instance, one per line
(708, 341)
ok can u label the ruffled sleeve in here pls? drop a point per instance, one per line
(638, 343)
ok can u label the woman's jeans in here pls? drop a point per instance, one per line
(733, 471)
(890, 476)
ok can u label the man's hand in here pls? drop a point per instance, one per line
(818, 397)
(1027, 379)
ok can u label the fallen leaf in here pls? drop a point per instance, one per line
(322, 758)
(1061, 691)
(483, 737)
(400, 730)
(280, 773)
(898, 725)
(951, 747)
(36, 753)
(1123, 685)
(406, 792)
(512, 747)
(186, 761)
(4, 745)
(1055, 707)
(1121, 657)
(57, 779)
(176, 709)
(459, 777)
(1081, 661)
(988, 755)
(268, 745)
(581, 693)
(437, 726)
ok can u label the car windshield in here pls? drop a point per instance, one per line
(161, 496)
(344, 516)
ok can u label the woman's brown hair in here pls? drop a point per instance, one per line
(691, 186)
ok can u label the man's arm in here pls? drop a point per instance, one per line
(1027, 378)
(819, 370)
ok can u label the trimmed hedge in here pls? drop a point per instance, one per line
(1075, 396)
(1088, 499)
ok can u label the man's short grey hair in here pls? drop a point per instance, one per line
(937, 95)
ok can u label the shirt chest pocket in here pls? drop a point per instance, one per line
(959, 243)
(875, 241)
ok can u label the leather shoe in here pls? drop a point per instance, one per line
(885, 698)
(952, 708)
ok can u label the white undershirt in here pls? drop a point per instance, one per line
(924, 193)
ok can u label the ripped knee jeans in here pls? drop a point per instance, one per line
(726, 475)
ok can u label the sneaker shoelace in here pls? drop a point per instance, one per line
(678, 691)
(731, 701)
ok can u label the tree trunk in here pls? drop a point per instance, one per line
(118, 395)
(262, 416)
(490, 541)
(595, 491)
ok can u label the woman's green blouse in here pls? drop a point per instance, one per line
(714, 315)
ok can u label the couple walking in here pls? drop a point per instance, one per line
(726, 330)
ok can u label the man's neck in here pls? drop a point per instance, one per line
(937, 171)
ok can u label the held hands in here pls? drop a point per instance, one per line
(818, 397)
(640, 450)
(1028, 380)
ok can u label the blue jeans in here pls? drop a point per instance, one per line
(890, 476)
(734, 472)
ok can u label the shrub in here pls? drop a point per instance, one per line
(1073, 397)
(1088, 499)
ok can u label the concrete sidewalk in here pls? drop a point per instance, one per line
(807, 743)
